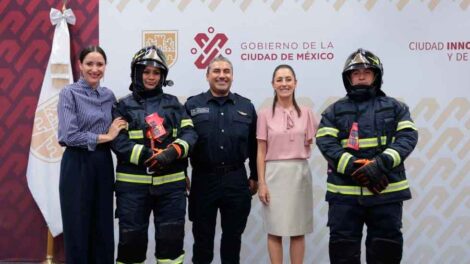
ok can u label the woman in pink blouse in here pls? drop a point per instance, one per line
(285, 134)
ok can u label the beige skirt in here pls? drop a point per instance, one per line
(290, 210)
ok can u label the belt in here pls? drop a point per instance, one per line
(220, 169)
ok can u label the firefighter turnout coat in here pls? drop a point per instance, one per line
(385, 130)
(132, 147)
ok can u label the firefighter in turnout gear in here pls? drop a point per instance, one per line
(152, 162)
(365, 137)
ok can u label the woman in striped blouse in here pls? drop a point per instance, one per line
(86, 172)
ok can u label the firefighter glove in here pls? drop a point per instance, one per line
(376, 178)
(164, 157)
(361, 178)
(380, 186)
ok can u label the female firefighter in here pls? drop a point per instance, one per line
(152, 161)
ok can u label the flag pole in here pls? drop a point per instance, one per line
(40, 171)
(50, 248)
(64, 5)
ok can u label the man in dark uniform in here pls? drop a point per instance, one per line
(365, 137)
(226, 126)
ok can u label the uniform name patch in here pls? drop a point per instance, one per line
(199, 110)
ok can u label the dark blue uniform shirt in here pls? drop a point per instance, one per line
(226, 127)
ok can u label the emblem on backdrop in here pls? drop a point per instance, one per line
(209, 46)
(166, 40)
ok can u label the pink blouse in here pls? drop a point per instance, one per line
(286, 133)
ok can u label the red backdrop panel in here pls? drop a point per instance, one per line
(25, 45)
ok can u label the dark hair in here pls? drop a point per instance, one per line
(92, 48)
(285, 66)
(219, 58)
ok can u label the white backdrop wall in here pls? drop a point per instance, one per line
(424, 46)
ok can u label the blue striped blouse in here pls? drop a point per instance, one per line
(83, 114)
